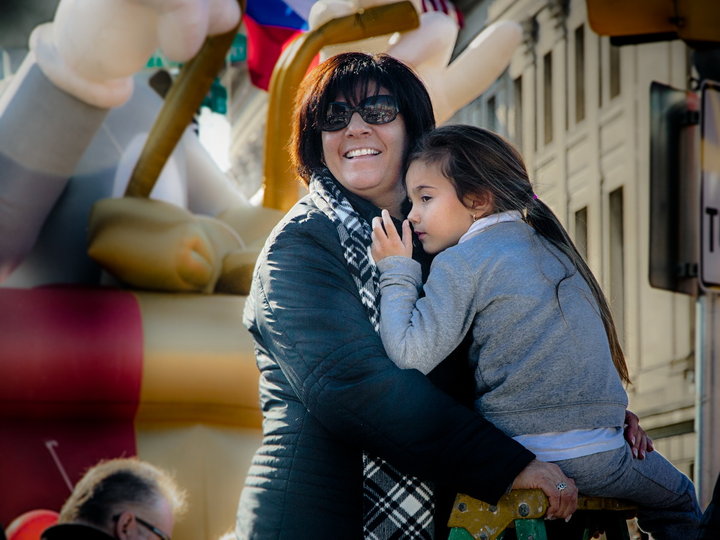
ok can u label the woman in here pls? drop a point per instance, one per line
(332, 401)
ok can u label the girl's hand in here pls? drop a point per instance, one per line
(640, 443)
(387, 241)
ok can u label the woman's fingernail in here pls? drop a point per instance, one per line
(635, 453)
(567, 519)
(632, 440)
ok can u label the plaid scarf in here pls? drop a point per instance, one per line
(395, 505)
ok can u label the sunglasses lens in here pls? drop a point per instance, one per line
(373, 110)
(337, 117)
(379, 110)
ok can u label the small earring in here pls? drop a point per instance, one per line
(474, 218)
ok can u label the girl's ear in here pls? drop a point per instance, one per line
(482, 204)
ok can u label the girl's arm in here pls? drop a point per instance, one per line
(420, 332)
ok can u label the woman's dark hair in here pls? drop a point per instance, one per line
(351, 76)
(478, 161)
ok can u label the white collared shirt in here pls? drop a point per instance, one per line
(487, 221)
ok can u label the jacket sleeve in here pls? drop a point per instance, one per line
(420, 332)
(307, 313)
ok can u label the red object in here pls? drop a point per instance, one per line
(70, 374)
(265, 45)
(31, 525)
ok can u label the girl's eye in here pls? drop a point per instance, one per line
(425, 198)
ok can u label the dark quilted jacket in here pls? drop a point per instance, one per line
(327, 390)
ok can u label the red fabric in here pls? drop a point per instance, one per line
(63, 348)
(446, 7)
(265, 44)
(70, 374)
(31, 525)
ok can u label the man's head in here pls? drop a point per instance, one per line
(127, 498)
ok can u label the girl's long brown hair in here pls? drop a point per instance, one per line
(476, 160)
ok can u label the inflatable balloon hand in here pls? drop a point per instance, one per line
(237, 271)
(92, 49)
(183, 25)
(429, 48)
(253, 224)
(151, 244)
(324, 11)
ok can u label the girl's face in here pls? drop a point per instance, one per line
(438, 217)
(367, 158)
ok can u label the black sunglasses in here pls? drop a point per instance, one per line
(376, 110)
(149, 526)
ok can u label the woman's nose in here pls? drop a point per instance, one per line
(357, 124)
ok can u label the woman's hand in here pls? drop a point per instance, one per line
(387, 241)
(560, 490)
(640, 443)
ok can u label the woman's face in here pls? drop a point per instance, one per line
(368, 158)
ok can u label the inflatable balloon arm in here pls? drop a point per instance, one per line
(79, 67)
(92, 49)
(428, 49)
(474, 70)
(412, 47)
(36, 156)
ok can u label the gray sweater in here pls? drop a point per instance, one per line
(540, 353)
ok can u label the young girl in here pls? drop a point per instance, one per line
(549, 369)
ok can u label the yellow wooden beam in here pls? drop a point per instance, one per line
(181, 103)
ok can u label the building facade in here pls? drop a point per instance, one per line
(579, 110)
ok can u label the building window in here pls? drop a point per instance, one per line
(601, 44)
(617, 261)
(614, 71)
(548, 98)
(518, 120)
(580, 73)
(581, 232)
(491, 113)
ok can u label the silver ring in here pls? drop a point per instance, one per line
(561, 486)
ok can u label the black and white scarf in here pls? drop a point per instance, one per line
(395, 505)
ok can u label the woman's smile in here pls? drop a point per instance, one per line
(361, 152)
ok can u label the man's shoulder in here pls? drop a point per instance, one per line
(74, 531)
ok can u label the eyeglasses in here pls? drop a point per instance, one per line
(373, 110)
(152, 528)
(149, 526)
